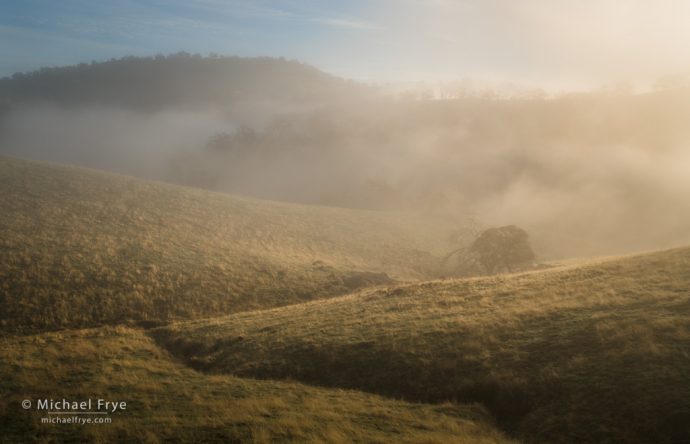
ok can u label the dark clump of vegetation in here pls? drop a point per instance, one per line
(503, 249)
(495, 250)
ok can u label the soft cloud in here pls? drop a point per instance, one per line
(590, 42)
(350, 24)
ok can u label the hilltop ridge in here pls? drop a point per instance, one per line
(181, 80)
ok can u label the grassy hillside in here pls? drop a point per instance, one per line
(83, 248)
(592, 353)
(167, 402)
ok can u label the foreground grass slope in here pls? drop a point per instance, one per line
(592, 353)
(167, 402)
(83, 248)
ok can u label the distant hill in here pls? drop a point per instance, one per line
(177, 80)
(587, 353)
(84, 248)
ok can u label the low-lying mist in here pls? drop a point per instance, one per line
(584, 174)
(118, 140)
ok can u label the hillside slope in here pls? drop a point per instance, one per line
(167, 402)
(84, 248)
(590, 353)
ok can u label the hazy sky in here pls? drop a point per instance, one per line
(545, 42)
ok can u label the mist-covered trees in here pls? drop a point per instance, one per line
(177, 80)
(494, 250)
(502, 249)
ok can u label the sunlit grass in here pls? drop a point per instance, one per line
(167, 402)
(590, 353)
(83, 248)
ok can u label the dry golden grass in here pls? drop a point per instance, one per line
(168, 402)
(596, 351)
(83, 248)
(592, 353)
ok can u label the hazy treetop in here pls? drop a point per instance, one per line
(182, 79)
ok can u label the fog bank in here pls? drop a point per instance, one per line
(597, 173)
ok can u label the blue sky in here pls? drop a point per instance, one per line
(36, 33)
(530, 41)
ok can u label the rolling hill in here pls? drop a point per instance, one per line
(233, 319)
(596, 352)
(84, 248)
(167, 402)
